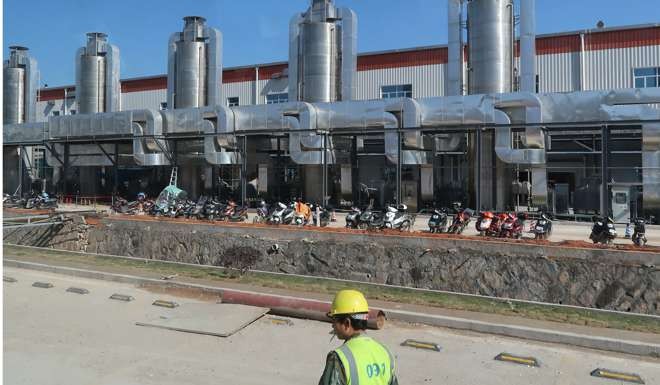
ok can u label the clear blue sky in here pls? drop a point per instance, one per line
(256, 31)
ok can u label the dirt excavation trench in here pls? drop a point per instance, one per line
(608, 279)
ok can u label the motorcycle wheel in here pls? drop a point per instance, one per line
(211, 217)
(362, 226)
(255, 220)
(405, 226)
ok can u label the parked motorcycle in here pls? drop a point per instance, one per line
(495, 228)
(438, 221)
(513, 226)
(262, 213)
(639, 234)
(196, 210)
(281, 215)
(460, 221)
(543, 228)
(322, 218)
(484, 221)
(353, 218)
(397, 218)
(213, 209)
(603, 230)
(239, 214)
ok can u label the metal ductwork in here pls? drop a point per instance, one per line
(98, 86)
(149, 147)
(221, 149)
(194, 76)
(490, 46)
(21, 81)
(455, 48)
(409, 114)
(323, 54)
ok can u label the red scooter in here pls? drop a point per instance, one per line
(512, 226)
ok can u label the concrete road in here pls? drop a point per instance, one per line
(54, 337)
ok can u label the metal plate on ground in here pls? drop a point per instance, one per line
(77, 290)
(43, 285)
(8, 279)
(220, 320)
(421, 345)
(506, 357)
(619, 376)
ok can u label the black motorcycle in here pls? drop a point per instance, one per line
(543, 227)
(438, 221)
(603, 230)
(639, 235)
(353, 218)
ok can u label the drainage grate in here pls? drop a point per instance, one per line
(122, 297)
(43, 285)
(77, 290)
(168, 304)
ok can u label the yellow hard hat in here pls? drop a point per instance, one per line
(348, 302)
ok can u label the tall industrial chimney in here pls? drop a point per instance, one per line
(21, 79)
(97, 76)
(323, 54)
(194, 76)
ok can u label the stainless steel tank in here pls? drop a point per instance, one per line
(97, 75)
(490, 38)
(195, 65)
(322, 54)
(20, 76)
(319, 63)
(14, 94)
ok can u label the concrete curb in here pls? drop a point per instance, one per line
(544, 335)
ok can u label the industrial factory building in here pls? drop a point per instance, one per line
(499, 118)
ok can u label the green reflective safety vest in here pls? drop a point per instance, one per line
(366, 362)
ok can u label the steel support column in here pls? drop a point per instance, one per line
(244, 172)
(115, 167)
(324, 184)
(604, 172)
(398, 169)
(478, 170)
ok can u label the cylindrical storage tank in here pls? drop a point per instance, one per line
(91, 98)
(191, 66)
(319, 63)
(490, 51)
(14, 95)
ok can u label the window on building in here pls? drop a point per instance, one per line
(72, 112)
(646, 77)
(397, 91)
(163, 106)
(232, 101)
(56, 113)
(281, 97)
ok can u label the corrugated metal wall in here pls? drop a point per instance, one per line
(558, 72)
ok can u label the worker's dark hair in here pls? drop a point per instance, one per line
(357, 324)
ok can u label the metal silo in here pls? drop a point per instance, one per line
(322, 54)
(490, 51)
(97, 76)
(21, 79)
(194, 75)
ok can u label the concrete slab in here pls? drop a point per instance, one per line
(220, 320)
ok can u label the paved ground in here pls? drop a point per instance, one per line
(54, 337)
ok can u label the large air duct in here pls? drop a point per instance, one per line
(323, 54)
(97, 76)
(21, 80)
(194, 76)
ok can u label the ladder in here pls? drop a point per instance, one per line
(174, 175)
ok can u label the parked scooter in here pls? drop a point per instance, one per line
(513, 226)
(495, 228)
(353, 218)
(438, 221)
(603, 230)
(369, 219)
(484, 221)
(543, 228)
(239, 214)
(639, 235)
(322, 218)
(213, 209)
(461, 220)
(196, 210)
(281, 215)
(398, 218)
(262, 213)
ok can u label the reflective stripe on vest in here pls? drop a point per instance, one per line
(366, 362)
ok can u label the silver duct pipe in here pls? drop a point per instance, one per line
(409, 114)
(98, 86)
(25, 132)
(148, 146)
(21, 82)
(528, 45)
(194, 75)
(223, 148)
(455, 48)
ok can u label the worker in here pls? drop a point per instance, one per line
(360, 360)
